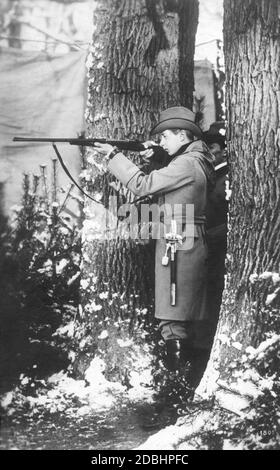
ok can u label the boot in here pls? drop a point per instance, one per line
(177, 354)
(175, 387)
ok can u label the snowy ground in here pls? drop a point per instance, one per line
(63, 413)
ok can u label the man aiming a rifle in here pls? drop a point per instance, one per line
(186, 180)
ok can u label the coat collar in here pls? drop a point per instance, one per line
(181, 149)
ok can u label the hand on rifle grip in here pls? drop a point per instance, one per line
(147, 154)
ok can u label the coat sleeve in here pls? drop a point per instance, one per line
(179, 172)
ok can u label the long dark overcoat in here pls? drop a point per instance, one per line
(182, 182)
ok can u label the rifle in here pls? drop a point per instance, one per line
(131, 145)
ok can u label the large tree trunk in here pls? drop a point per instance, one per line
(141, 62)
(252, 60)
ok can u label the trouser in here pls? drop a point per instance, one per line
(172, 329)
(198, 332)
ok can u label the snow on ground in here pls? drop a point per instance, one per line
(95, 393)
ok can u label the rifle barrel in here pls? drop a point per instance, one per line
(40, 139)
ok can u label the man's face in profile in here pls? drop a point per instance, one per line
(217, 151)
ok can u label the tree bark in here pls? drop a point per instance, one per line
(252, 61)
(141, 62)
